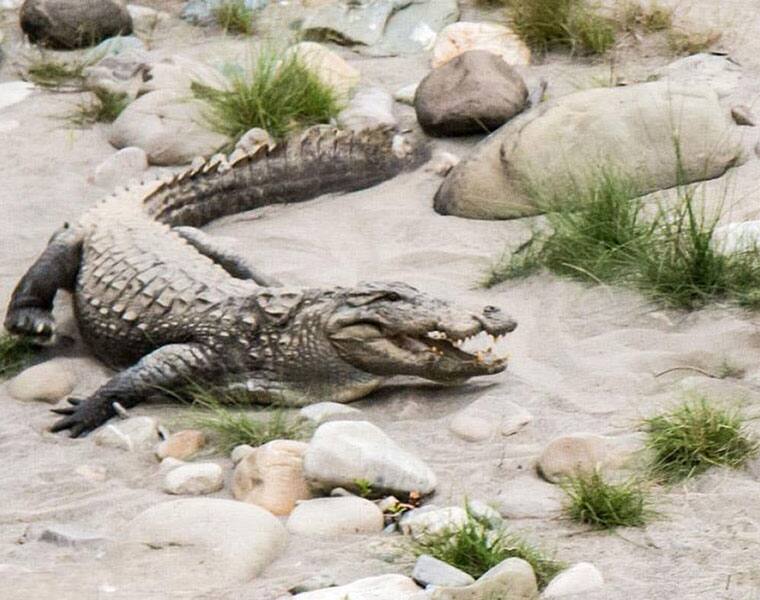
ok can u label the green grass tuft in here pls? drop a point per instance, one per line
(234, 17)
(695, 436)
(16, 354)
(650, 19)
(477, 546)
(604, 505)
(280, 94)
(102, 107)
(51, 73)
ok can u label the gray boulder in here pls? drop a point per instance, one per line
(631, 129)
(67, 24)
(476, 92)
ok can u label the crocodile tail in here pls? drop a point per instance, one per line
(320, 161)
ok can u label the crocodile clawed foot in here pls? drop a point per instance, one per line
(68, 410)
(35, 324)
(80, 418)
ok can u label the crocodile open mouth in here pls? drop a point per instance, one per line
(479, 348)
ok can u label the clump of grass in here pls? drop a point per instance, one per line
(691, 42)
(650, 19)
(16, 354)
(51, 73)
(102, 107)
(280, 94)
(605, 505)
(234, 16)
(565, 24)
(728, 370)
(476, 546)
(695, 436)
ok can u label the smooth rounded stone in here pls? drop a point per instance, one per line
(584, 452)
(382, 587)
(742, 115)
(430, 521)
(240, 452)
(116, 46)
(481, 510)
(49, 382)
(463, 36)
(272, 476)
(406, 94)
(333, 516)
(239, 539)
(528, 497)
(133, 434)
(476, 92)
(322, 412)
(578, 579)
(368, 109)
(253, 139)
(630, 128)
(330, 68)
(145, 19)
(169, 464)
(118, 74)
(511, 579)
(182, 444)
(68, 24)
(721, 73)
(121, 167)
(195, 479)
(352, 22)
(71, 536)
(431, 571)
(343, 452)
(13, 92)
(178, 73)
(167, 125)
(471, 428)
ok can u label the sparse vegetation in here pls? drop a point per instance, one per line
(605, 505)
(102, 107)
(477, 545)
(15, 354)
(279, 94)
(696, 436)
(650, 19)
(686, 42)
(234, 16)
(364, 488)
(52, 73)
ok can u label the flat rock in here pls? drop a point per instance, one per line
(528, 497)
(194, 479)
(133, 434)
(628, 128)
(414, 28)
(352, 22)
(342, 452)
(431, 571)
(115, 46)
(67, 24)
(475, 92)
(327, 65)
(578, 579)
(70, 536)
(471, 428)
(13, 92)
(463, 36)
(168, 126)
(718, 72)
(322, 412)
(118, 74)
(432, 520)
(272, 476)
(332, 516)
(182, 444)
(239, 539)
(49, 382)
(368, 109)
(511, 579)
(382, 587)
(121, 167)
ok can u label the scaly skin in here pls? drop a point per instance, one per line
(172, 306)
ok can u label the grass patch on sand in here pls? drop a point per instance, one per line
(695, 436)
(594, 501)
(16, 354)
(102, 107)
(633, 16)
(685, 42)
(279, 94)
(477, 545)
(49, 72)
(234, 17)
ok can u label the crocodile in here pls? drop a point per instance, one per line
(165, 304)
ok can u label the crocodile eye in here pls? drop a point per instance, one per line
(393, 296)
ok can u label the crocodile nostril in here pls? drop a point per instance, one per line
(490, 309)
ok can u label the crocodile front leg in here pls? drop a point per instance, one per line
(167, 368)
(30, 309)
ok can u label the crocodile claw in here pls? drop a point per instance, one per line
(80, 418)
(35, 324)
(68, 410)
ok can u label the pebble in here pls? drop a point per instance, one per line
(432, 520)
(195, 479)
(511, 579)
(120, 167)
(135, 433)
(70, 536)
(49, 382)
(580, 578)
(742, 115)
(333, 516)
(382, 587)
(322, 412)
(471, 428)
(181, 445)
(431, 571)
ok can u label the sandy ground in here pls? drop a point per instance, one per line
(583, 359)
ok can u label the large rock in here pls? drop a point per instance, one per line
(331, 516)
(168, 126)
(272, 476)
(511, 579)
(49, 382)
(476, 92)
(238, 540)
(382, 587)
(630, 129)
(67, 24)
(461, 37)
(352, 22)
(344, 452)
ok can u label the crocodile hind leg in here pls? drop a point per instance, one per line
(165, 369)
(225, 257)
(30, 309)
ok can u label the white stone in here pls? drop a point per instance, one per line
(121, 167)
(431, 521)
(431, 571)
(133, 434)
(49, 381)
(461, 37)
(738, 237)
(169, 464)
(580, 578)
(511, 579)
(471, 428)
(237, 540)
(528, 497)
(68, 535)
(721, 73)
(240, 452)
(145, 19)
(406, 94)
(322, 412)
(13, 92)
(331, 69)
(331, 516)
(368, 109)
(195, 479)
(382, 587)
(342, 452)
(583, 453)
